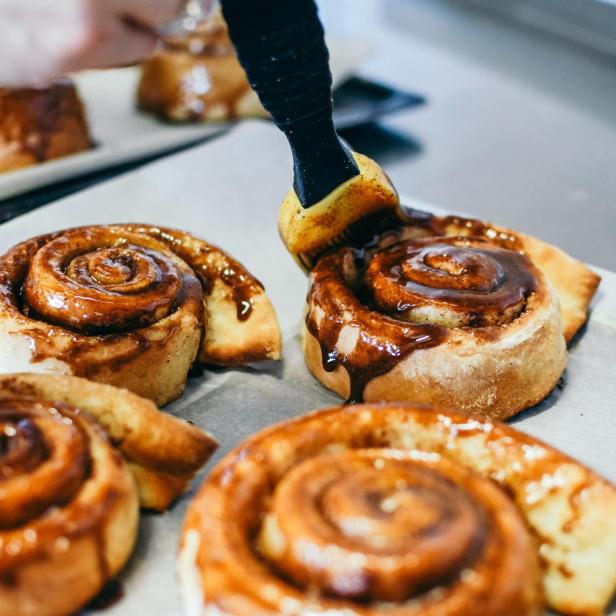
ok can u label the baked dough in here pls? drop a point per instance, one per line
(198, 78)
(399, 510)
(163, 452)
(69, 514)
(130, 305)
(444, 310)
(41, 123)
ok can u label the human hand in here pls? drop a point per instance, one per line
(40, 40)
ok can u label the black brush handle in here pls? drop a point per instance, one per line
(281, 46)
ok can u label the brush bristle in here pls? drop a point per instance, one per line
(361, 232)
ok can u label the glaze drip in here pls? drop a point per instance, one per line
(124, 288)
(399, 288)
(375, 343)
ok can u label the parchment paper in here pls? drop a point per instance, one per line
(228, 191)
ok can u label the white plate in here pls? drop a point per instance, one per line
(122, 133)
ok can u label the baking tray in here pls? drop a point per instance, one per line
(357, 101)
(228, 191)
(123, 134)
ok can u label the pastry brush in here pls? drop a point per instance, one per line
(280, 44)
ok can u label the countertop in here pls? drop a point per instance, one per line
(520, 126)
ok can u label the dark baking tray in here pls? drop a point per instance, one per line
(360, 101)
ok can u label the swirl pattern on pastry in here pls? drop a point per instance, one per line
(458, 321)
(163, 452)
(130, 305)
(69, 509)
(398, 510)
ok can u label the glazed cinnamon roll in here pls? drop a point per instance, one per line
(197, 78)
(398, 510)
(69, 508)
(130, 305)
(441, 311)
(41, 123)
(163, 452)
(574, 282)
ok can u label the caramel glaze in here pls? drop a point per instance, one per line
(79, 353)
(416, 220)
(385, 507)
(394, 266)
(195, 73)
(368, 508)
(100, 285)
(33, 117)
(45, 460)
(383, 341)
(209, 264)
(98, 281)
(386, 227)
(459, 274)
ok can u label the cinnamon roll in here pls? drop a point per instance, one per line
(445, 311)
(130, 305)
(41, 123)
(163, 452)
(68, 506)
(398, 510)
(574, 282)
(197, 78)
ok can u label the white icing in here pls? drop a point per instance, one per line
(16, 356)
(188, 575)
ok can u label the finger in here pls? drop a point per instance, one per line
(150, 13)
(112, 42)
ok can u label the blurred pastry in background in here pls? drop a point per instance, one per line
(41, 123)
(197, 78)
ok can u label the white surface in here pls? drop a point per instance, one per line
(228, 191)
(519, 126)
(122, 133)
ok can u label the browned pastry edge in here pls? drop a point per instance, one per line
(575, 283)
(130, 305)
(69, 514)
(163, 452)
